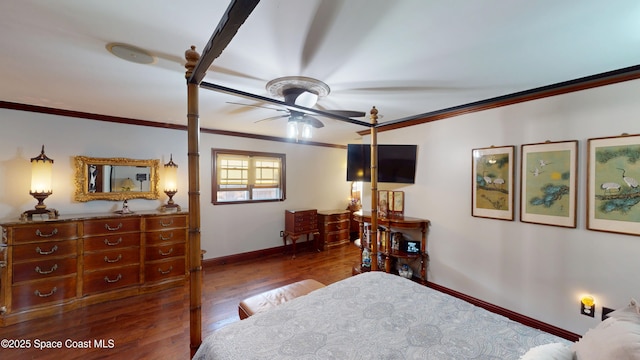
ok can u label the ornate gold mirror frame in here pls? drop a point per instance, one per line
(115, 179)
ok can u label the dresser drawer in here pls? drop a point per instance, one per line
(42, 269)
(165, 222)
(161, 270)
(106, 280)
(305, 228)
(334, 217)
(305, 217)
(111, 226)
(165, 251)
(157, 237)
(336, 238)
(109, 242)
(337, 226)
(44, 232)
(31, 294)
(48, 250)
(111, 258)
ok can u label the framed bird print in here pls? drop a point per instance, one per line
(548, 183)
(613, 177)
(492, 182)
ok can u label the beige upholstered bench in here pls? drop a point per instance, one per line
(271, 298)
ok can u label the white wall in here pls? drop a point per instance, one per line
(315, 175)
(536, 270)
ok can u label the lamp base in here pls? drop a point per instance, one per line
(170, 204)
(166, 207)
(28, 215)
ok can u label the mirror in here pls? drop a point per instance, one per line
(115, 178)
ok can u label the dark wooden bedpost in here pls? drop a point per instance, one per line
(193, 152)
(373, 238)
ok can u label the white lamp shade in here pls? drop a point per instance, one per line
(171, 178)
(41, 176)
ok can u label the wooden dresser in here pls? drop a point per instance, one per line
(333, 226)
(61, 264)
(298, 223)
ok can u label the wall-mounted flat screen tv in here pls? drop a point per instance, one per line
(396, 163)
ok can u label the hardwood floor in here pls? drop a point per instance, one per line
(156, 326)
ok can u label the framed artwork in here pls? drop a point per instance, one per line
(492, 179)
(390, 203)
(396, 203)
(383, 203)
(548, 183)
(612, 186)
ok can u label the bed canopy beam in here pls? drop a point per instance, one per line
(236, 14)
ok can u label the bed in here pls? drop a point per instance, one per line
(375, 315)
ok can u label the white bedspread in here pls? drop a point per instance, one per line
(374, 316)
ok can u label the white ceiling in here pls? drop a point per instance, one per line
(405, 57)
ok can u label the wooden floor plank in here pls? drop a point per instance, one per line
(156, 326)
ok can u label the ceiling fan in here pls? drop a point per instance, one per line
(300, 91)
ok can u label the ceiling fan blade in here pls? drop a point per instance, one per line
(273, 118)
(258, 106)
(337, 30)
(313, 121)
(175, 59)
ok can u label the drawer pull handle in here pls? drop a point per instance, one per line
(118, 278)
(117, 242)
(165, 253)
(163, 224)
(106, 259)
(39, 233)
(106, 226)
(38, 293)
(166, 238)
(165, 272)
(43, 272)
(42, 252)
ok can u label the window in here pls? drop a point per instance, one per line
(247, 176)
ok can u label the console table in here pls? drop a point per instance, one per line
(62, 264)
(385, 249)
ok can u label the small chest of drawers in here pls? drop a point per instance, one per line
(298, 223)
(333, 226)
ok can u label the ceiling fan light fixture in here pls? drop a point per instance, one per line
(307, 130)
(292, 129)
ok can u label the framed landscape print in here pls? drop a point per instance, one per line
(612, 186)
(548, 183)
(492, 179)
